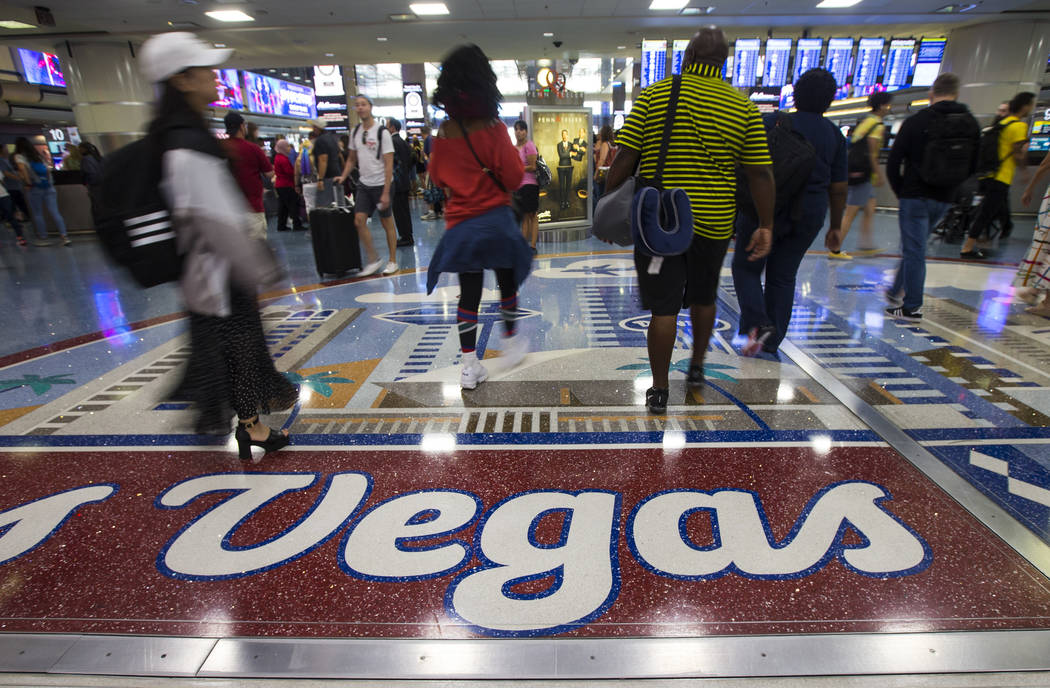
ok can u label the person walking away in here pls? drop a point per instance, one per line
(1012, 135)
(864, 177)
(715, 129)
(284, 185)
(372, 153)
(604, 151)
(527, 195)
(327, 163)
(36, 175)
(403, 170)
(1032, 280)
(91, 167)
(937, 149)
(230, 369)
(474, 158)
(249, 165)
(13, 183)
(765, 312)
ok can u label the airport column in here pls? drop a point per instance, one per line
(112, 102)
(996, 60)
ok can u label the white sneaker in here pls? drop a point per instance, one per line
(428, 216)
(514, 349)
(371, 268)
(391, 268)
(473, 373)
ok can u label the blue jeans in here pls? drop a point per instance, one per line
(38, 200)
(772, 304)
(918, 217)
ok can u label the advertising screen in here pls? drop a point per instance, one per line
(778, 59)
(807, 55)
(678, 56)
(41, 68)
(869, 63)
(840, 54)
(745, 62)
(228, 84)
(654, 62)
(899, 63)
(928, 63)
(271, 96)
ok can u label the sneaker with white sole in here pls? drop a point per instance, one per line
(514, 349)
(895, 300)
(472, 373)
(756, 340)
(903, 313)
(428, 216)
(391, 268)
(371, 268)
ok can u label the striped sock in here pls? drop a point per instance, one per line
(468, 329)
(508, 309)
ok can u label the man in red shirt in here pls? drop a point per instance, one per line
(249, 165)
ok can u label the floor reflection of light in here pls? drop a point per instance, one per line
(643, 383)
(111, 319)
(821, 443)
(992, 314)
(451, 390)
(874, 320)
(674, 439)
(305, 393)
(785, 392)
(437, 442)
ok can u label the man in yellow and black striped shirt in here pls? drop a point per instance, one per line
(715, 129)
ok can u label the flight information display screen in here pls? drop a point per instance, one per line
(807, 55)
(745, 66)
(899, 63)
(928, 62)
(678, 55)
(839, 57)
(869, 63)
(654, 62)
(778, 60)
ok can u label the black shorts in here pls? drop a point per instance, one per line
(690, 279)
(528, 199)
(366, 201)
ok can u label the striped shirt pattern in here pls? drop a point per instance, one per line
(715, 129)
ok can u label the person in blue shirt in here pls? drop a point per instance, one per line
(765, 312)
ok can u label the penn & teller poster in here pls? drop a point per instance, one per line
(563, 138)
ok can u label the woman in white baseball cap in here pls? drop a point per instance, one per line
(230, 369)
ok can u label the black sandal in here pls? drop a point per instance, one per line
(273, 442)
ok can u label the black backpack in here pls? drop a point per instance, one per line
(947, 157)
(133, 221)
(793, 159)
(858, 160)
(988, 160)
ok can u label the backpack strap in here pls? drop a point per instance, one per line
(490, 173)
(669, 120)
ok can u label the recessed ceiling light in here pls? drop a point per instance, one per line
(658, 5)
(298, 78)
(15, 24)
(382, 39)
(220, 45)
(272, 71)
(284, 74)
(329, 54)
(548, 34)
(403, 17)
(230, 16)
(428, 9)
(834, 4)
(960, 7)
(693, 11)
(621, 47)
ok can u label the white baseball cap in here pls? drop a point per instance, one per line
(167, 54)
(319, 123)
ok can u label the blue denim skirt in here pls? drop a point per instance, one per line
(490, 241)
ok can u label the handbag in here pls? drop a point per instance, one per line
(631, 213)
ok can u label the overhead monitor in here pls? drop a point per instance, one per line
(899, 63)
(869, 63)
(778, 60)
(928, 62)
(270, 96)
(228, 86)
(654, 62)
(745, 65)
(838, 62)
(807, 55)
(41, 68)
(678, 55)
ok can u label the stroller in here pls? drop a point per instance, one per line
(955, 224)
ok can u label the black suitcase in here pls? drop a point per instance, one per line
(336, 249)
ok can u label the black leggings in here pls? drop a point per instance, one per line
(470, 284)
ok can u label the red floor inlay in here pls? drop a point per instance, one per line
(918, 563)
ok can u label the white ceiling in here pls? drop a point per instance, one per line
(300, 32)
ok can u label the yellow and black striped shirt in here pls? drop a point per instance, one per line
(715, 129)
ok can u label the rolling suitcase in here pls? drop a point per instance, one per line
(336, 249)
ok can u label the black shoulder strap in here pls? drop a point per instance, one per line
(490, 173)
(669, 120)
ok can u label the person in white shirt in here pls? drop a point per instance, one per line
(371, 150)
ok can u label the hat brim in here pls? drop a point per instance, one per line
(318, 123)
(213, 57)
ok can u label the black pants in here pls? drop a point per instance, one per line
(19, 199)
(288, 206)
(470, 284)
(402, 215)
(564, 184)
(996, 203)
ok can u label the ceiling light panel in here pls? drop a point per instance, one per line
(230, 16)
(428, 9)
(836, 4)
(663, 5)
(15, 24)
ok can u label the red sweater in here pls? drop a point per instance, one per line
(473, 191)
(285, 174)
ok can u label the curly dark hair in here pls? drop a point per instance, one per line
(815, 90)
(466, 88)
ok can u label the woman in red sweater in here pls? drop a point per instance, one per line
(474, 160)
(284, 184)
